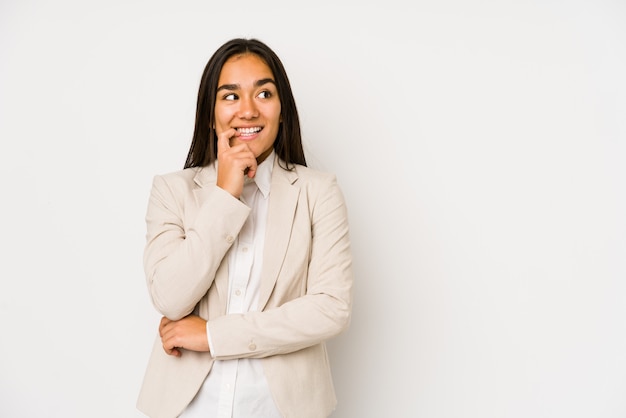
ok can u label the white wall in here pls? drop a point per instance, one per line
(480, 146)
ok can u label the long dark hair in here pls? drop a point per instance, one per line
(288, 143)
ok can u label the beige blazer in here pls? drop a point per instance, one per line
(305, 295)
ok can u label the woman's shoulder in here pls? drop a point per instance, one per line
(177, 180)
(316, 181)
(320, 187)
(185, 174)
(309, 174)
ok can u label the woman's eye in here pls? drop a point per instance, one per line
(231, 96)
(265, 95)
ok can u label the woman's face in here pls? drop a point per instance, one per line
(247, 100)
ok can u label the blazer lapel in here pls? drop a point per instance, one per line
(281, 212)
(205, 179)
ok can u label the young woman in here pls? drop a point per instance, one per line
(247, 256)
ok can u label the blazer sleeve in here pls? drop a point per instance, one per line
(321, 313)
(185, 246)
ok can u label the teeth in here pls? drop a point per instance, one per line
(249, 131)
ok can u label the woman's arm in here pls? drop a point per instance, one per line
(185, 245)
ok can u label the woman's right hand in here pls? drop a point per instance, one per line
(234, 163)
(188, 333)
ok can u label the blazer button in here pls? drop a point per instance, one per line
(229, 239)
(252, 347)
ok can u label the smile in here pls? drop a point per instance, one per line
(249, 131)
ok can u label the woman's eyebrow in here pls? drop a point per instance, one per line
(263, 81)
(228, 87)
(257, 83)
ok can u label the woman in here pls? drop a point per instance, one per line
(247, 256)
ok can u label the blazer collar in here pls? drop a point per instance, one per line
(208, 174)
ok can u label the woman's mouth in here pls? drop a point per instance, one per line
(249, 131)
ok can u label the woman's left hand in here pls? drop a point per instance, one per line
(188, 333)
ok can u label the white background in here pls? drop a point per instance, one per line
(481, 147)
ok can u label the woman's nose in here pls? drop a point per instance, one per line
(248, 109)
